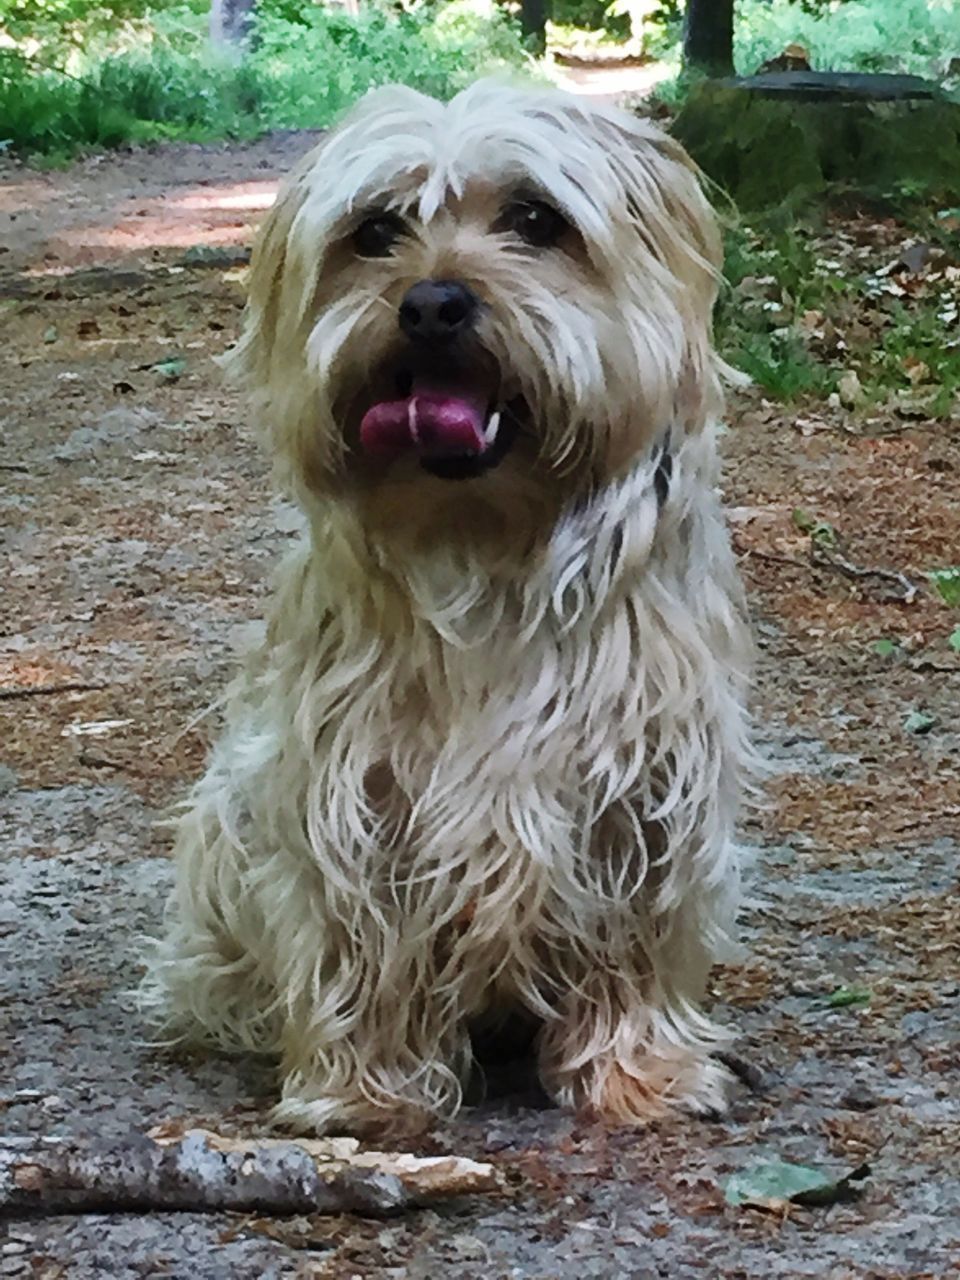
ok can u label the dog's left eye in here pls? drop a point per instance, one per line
(376, 235)
(535, 222)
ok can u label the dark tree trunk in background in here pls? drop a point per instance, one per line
(708, 37)
(231, 21)
(533, 23)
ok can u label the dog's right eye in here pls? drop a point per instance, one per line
(376, 235)
(535, 222)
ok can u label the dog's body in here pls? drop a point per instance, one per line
(489, 755)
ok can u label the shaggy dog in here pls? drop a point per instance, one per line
(488, 757)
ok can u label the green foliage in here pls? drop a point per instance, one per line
(947, 583)
(337, 58)
(820, 532)
(917, 36)
(919, 722)
(656, 21)
(796, 319)
(126, 74)
(845, 997)
(912, 336)
(586, 15)
(886, 648)
(769, 282)
(138, 95)
(61, 22)
(777, 1183)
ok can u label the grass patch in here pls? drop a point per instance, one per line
(155, 77)
(812, 311)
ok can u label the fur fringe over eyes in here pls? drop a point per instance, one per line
(489, 754)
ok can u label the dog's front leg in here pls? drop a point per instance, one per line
(624, 1050)
(372, 1049)
(392, 1064)
(628, 1041)
(271, 947)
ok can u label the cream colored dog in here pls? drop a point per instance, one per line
(488, 757)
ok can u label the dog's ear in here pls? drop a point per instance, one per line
(665, 197)
(272, 312)
(673, 222)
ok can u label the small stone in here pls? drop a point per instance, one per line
(850, 391)
(12, 1247)
(859, 1098)
(801, 988)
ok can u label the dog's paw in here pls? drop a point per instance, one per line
(327, 1116)
(649, 1088)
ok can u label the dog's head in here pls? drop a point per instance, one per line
(512, 282)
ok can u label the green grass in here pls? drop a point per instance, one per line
(795, 318)
(155, 77)
(138, 96)
(770, 280)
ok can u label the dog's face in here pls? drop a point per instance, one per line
(514, 284)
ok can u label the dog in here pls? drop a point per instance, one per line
(487, 760)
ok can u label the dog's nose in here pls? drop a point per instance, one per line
(437, 310)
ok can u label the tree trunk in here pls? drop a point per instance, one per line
(533, 23)
(879, 135)
(231, 22)
(708, 37)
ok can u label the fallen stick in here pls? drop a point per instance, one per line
(829, 558)
(47, 690)
(202, 1172)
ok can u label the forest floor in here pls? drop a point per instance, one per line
(140, 530)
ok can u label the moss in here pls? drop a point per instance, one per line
(767, 150)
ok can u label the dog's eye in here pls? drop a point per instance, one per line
(376, 235)
(533, 221)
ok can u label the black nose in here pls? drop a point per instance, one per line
(437, 310)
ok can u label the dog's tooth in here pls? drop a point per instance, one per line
(412, 419)
(492, 427)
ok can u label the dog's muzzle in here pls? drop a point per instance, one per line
(447, 410)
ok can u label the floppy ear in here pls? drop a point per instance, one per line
(670, 213)
(274, 310)
(666, 199)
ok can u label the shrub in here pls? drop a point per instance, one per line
(918, 36)
(154, 76)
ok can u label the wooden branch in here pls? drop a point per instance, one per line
(48, 690)
(202, 1172)
(822, 557)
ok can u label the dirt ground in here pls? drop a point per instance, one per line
(140, 531)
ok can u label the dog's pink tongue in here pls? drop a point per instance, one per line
(434, 422)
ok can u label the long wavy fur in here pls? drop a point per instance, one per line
(490, 753)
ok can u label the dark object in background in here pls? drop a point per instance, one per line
(231, 21)
(708, 37)
(533, 23)
(793, 58)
